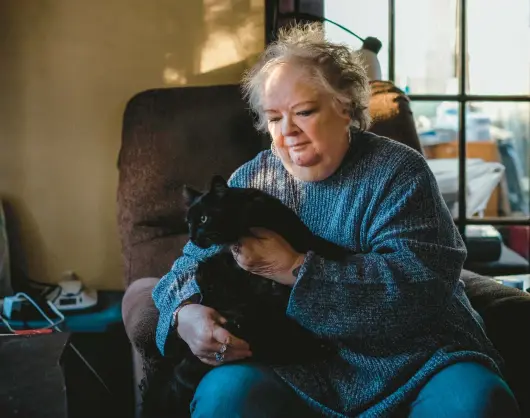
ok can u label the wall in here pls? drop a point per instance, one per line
(67, 69)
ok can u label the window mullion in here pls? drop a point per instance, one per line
(392, 40)
(462, 182)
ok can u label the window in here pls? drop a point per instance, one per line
(466, 68)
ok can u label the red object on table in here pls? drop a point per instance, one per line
(33, 331)
(519, 240)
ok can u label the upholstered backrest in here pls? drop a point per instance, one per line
(173, 137)
(392, 116)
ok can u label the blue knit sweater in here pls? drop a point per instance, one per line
(395, 309)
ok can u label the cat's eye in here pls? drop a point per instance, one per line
(204, 218)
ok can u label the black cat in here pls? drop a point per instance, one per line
(255, 307)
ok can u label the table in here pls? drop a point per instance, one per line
(32, 383)
(519, 281)
(100, 337)
(509, 263)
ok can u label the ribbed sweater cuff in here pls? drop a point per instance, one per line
(310, 255)
(305, 276)
(172, 302)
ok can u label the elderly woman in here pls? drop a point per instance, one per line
(406, 339)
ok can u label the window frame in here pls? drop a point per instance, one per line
(462, 98)
(274, 9)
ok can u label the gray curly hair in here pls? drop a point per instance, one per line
(339, 71)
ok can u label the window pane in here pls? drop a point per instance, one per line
(498, 46)
(426, 46)
(499, 132)
(498, 154)
(437, 124)
(365, 18)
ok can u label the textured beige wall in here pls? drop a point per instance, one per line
(67, 69)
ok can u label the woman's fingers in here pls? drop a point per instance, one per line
(232, 354)
(217, 358)
(230, 348)
(222, 336)
(207, 360)
(244, 246)
(222, 342)
(201, 328)
(236, 249)
(229, 353)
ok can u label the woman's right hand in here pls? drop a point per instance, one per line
(201, 328)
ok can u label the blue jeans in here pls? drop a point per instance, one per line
(462, 390)
(465, 390)
(246, 390)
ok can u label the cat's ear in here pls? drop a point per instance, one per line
(190, 195)
(218, 185)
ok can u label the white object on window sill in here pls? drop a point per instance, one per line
(482, 178)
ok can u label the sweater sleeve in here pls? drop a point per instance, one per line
(179, 284)
(403, 281)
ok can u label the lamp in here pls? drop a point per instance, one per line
(369, 50)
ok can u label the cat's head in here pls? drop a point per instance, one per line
(216, 216)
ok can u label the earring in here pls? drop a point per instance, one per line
(349, 136)
(273, 149)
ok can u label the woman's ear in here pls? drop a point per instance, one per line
(344, 111)
(190, 195)
(347, 112)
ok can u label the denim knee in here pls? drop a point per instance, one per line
(465, 390)
(243, 390)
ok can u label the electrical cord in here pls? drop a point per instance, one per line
(38, 308)
(55, 326)
(6, 324)
(45, 288)
(321, 19)
(21, 270)
(370, 43)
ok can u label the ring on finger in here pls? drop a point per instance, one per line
(222, 350)
(219, 357)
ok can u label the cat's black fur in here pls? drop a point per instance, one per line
(255, 307)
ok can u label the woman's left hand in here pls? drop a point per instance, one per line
(269, 255)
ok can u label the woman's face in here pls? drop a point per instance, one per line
(309, 133)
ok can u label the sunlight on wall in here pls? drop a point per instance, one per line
(220, 51)
(66, 78)
(234, 33)
(173, 76)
